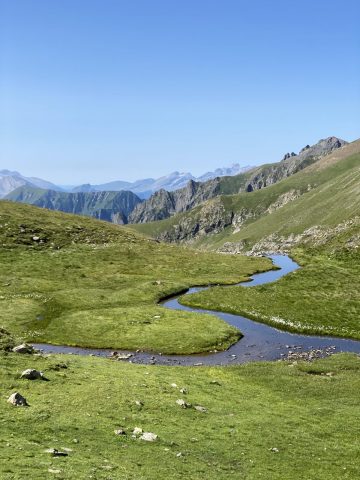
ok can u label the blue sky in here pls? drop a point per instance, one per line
(98, 90)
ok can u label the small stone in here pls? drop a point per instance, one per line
(17, 400)
(137, 431)
(174, 385)
(52, 470)
(32, 374)
(182, 403)
(36, 239)
(215, 382)
(23, 348)
(183, 390)
(180, 454)
(149, 437)
(56, 453)
(120, 431)
(274, 450)
(139, 403)
(200, 408)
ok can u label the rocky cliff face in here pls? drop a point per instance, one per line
(211, 217)
(164, 204)
(292, 163)
(113, 207)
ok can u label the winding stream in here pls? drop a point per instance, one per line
(260, 341)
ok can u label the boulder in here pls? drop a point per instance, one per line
(23, 348)
(17, 400)
(32, 374)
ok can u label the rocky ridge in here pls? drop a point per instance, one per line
(164, 204)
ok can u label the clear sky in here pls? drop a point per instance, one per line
(97, 90)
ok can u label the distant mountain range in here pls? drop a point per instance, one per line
(146, 187)
(126, 206)
(11, 180)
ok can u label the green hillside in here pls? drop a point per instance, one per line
(68, 279)
(307, 198)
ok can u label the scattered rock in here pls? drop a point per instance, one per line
(215, 382)
(183, 390)
(56, 453)
(23, 348)
(274, 450)
(120, 431)
(32, 374)
(18, 400)
(200, 408)
(182, 403)
(149, 437)
(139, 403)
(137, 431)
(52, 470)
(174, 385)
(180, 454)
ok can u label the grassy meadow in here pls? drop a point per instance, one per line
(321, 298)
(88, 283)
(274, 421)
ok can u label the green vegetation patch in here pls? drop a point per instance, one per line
(256, 424)
(76, 281)
(321, 298)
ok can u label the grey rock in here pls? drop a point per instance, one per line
(163, 204)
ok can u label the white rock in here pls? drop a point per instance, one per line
(149, 437)
(182, 403)
(32, 374)
(23, 348)
(200, 408)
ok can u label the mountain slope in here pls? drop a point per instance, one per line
(114, 207)
(163, 204)
(9, 181)
(307, 198)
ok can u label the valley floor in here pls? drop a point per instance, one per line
(272, 420)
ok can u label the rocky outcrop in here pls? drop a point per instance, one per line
(283, 200)
(211, 217)
(315, 236)
(164, 204)
(292, 163)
